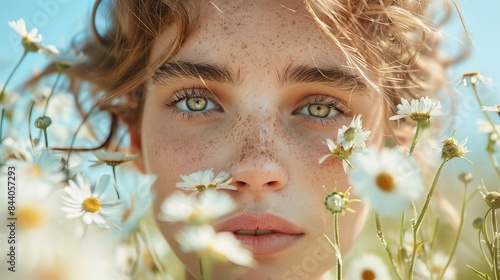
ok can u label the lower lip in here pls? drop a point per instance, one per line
(268, 244)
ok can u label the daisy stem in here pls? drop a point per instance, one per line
(476, 93)
(495, 244)
(12, 73)
(30, 112)
(151, 250)
(336, 229)
(482, 249)
(485, 232)
(1, 125)
(460, 227)
(381, 237)
(415, 138)
(50, 95)
(116, 184)
(205, 270)
(45, 137)
(418, 223)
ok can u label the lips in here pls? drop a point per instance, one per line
(262, 233)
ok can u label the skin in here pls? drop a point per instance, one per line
(260, 130)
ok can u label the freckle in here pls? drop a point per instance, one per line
(244, 46)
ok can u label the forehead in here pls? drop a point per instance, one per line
(260, 33)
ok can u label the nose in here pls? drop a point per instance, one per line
(258, 171)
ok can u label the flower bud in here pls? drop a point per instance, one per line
(452, 149)
(466, 177)
(492, 199)
(477, 223)
(43, 122)
(335, 203)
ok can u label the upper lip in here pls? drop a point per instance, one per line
(257, 221)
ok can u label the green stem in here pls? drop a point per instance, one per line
(482, 250)
(485, 231)
(495, 244)
(52, 90)
(1, 125)
(381, 237)
(113, 167)
(415, 138)
(46, 138)
(476, 93)
(30, 112)
(460, 227)
(205, 270)
(418, 223)
(337, 242)
(12, 73)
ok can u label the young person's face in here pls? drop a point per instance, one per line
(272, 90)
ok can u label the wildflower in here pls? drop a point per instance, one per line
(495, 108)
(418, 110)
(475, 78)
(466, 177)
(95, 204)
(135, 190)
(452, 149)
(433, 268)
(492, 199)
(353, 135)
(339, 152)
(29, 39)
(368, 266)
(386, 179)
(113, 158)
(209, 206)
(219, 247)
(337, 202)
(43, 122)
(204, 180)
(63, 60)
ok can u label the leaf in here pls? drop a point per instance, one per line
(335, 248)
(480, 274)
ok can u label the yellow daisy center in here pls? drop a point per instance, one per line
(91, 204)
(29, 217)
(201, 188)
(367, 275)
(35, 170)
(385, 181)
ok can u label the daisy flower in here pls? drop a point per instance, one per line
(452, 149)
(63, 59)
(353, 135)
(368, 266)
(485, 127)
(386, 179)
(113, 158)
(193, 210)
(203, 180)
(20, 27)
(220, 247)
(418, 110)
(95, 204)
(433, 268)
(135, 192)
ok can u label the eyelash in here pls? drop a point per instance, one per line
(332, 103)
(193, 92)
(186, 93)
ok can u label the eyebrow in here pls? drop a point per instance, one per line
(330, 76)
(291, 74)
(180, 69)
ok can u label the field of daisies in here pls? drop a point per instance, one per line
(74, 214)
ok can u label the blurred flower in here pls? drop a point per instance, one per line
(136, 195)
(204, 180)
(20, 27)
(113, 158)
(209, 206)
(495, 108)
(418, 110)
(433, 268)
(95, 204)
(367, 266)
(386, 179)
(219, 247)
(63, 60)
(353, 135)
(475, 78)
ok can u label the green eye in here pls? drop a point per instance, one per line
(196, 103)
(319, 110)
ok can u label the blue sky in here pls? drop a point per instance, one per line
(59, 20)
